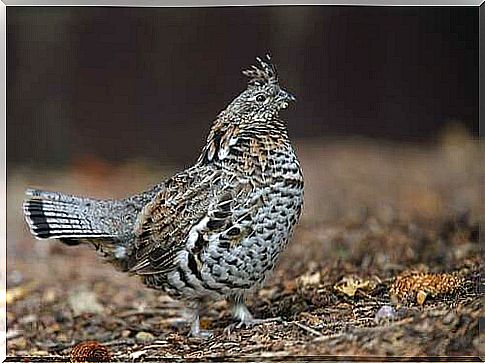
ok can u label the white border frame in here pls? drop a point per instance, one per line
(127, 3)
(3, 183)
(215, 3)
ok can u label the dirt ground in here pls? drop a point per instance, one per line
(385, 262)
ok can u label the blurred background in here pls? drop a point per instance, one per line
(108, 101)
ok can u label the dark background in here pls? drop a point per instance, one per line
(386, 130)
(120, 83)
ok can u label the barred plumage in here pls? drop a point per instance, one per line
(212, 231)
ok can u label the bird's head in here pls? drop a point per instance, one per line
(263, 98)
(251, 117)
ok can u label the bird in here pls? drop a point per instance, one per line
(210, 232)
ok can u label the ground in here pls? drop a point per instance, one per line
(385, 262)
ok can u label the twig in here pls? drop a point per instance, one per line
(154, 346)
(147, 312)
(12, 334)
(56, 347)
(308, 329)
(118, 342)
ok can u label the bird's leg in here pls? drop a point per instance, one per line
(246, 319)
(195, 330)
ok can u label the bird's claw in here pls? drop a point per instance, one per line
(247, 324)
(201, 334)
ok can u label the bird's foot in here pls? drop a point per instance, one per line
(201, 334)
(196, 331)
(249, 323)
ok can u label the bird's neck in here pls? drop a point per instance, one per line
(247, 147)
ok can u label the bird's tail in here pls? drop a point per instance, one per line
(61, 216)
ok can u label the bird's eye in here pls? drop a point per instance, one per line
(260, 98)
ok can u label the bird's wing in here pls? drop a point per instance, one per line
(191, 208)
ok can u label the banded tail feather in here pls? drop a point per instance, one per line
(60, 216)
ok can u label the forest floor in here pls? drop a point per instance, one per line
(385, 262)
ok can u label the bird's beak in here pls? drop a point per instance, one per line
(286, 96)
(290, 97)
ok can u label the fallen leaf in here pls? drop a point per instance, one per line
(310, 279)
(421, 297)
(350, 285)
(18, 293)
(205, 324)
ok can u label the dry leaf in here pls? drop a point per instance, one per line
(421, 296)
(350, 285)
(205, 324)
(18, 293)
(310, 279)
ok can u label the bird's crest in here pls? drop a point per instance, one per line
(264, 74)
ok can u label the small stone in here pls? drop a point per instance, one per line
(144, 337)
(386, 312)
(84, 301)
(125, 333)
(15, 278)
(449, 318)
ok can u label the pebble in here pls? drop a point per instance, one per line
(386, 312)
(84, 301)
(15, 278)
(449, 318)
(144, 337)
